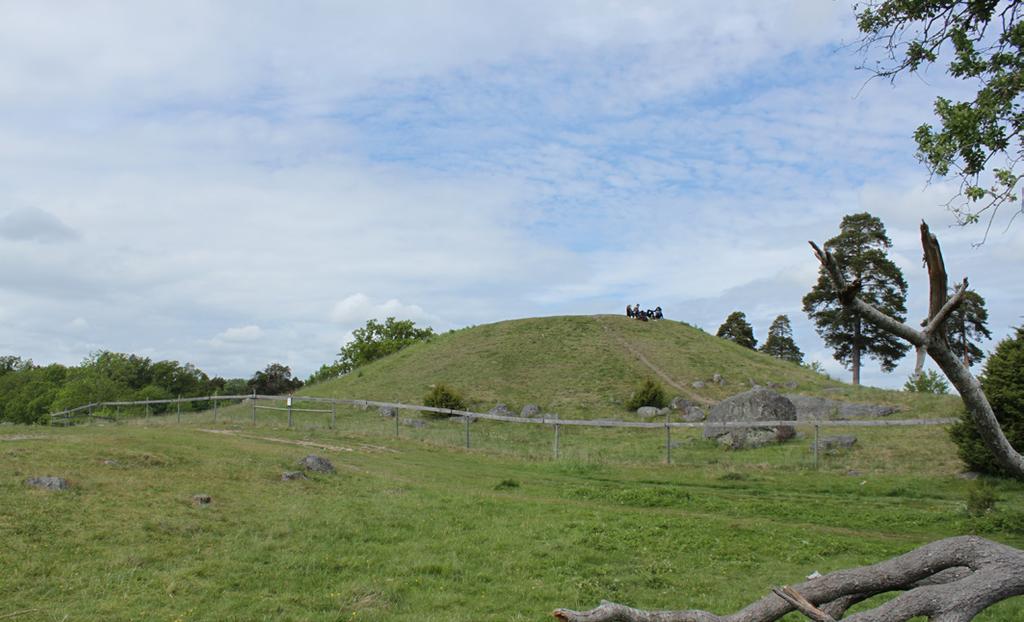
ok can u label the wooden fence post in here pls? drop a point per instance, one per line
(215, 407)
(466, 419)
(289, 412)
(254, 406)
(396, 421)
(179, 409)
(668, 439)
(816, 426)
(558, 429)
(334, 413)
(147, 410)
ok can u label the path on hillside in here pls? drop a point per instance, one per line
(273, 439)
(632, 349)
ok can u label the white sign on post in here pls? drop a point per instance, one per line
(289, 401)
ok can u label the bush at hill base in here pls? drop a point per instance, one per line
(1003, 383)
(442, 396)
(649, 393)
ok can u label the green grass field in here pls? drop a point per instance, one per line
(413, 529)
(414, 526)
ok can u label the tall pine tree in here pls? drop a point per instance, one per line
(780, 342)
(860, 248)
(967, 325)
(736, 328)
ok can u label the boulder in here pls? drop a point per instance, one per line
(292, 475)
(809, 407)
(831, 444)
(690, 412)
(417, 423)
(699, 384)
(501, 410)
(718, 379)
(755, 405)
(317, 464)
(387, 411)
(530, 411)
(201, 500)
(693, 414)
(648, 411)
(47, 483)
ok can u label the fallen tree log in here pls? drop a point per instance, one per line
(948, 580)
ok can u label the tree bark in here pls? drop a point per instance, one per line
(948, 580)
(856, 351)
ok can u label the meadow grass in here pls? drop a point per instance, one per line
(418, 528)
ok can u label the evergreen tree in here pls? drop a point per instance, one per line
(780, 342)
(736, 328)
(966, 326)
(1003, 383)
(860, 249)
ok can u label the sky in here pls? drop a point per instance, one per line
(238, 183)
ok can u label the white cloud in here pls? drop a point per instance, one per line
(241, 334)
(356, 309)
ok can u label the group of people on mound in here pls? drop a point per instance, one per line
(636, 313)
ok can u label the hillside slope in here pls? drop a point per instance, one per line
(587, 366)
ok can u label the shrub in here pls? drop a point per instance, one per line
(1003, 383)
(442, 396)
(928, 381)
(650, 393)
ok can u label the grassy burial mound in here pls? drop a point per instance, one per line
(588, 366)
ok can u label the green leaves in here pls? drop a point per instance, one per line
(980, 140)
(376, 340)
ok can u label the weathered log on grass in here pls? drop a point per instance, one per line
(949, 580)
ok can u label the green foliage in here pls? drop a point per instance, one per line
(375, 341)
(737, 329)
(860, 249)
(154, 392)
(780, 342)
(982, 43)
(275, 379)
(981, 498)
(1003, 384)
(327, 372)
(649, 393)
(928, 381)
(443, 396)
(967, 325)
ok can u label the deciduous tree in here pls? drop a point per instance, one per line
(376, 340)
(979, 141)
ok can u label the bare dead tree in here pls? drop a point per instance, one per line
(948, 580)
(931, 340)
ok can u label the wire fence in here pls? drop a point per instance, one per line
(835, 444)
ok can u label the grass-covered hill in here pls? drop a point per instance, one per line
(587, 367)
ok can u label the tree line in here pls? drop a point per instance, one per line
(28, 392)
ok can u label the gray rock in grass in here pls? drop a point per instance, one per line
(316, 464)
(47, 482)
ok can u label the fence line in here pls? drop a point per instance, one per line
(553, 421)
